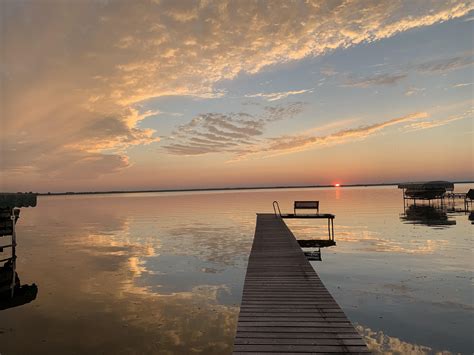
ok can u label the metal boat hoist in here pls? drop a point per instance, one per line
(426, 191)
(10, 204)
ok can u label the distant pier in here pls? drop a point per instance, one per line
(285, 307)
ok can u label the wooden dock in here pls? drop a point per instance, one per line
(285, 306)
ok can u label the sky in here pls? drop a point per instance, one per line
(106, 95)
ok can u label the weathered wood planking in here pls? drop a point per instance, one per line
(285, 306)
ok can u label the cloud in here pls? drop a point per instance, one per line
(217, 132)
(412, 91)
(444, 65)
(461, 85)
(70, 70)
(331, 126)
(86, 145)
(274, 96)
(379, 79)
(328, 71)
(416, 126)
(436, 66)
(297, 143)
(380, 343)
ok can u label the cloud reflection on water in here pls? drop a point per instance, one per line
(380, 343)
(163, 273)
(364, 239)
(102, 295)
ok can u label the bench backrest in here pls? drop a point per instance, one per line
(313, 205)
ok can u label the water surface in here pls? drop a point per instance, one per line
(163, 272)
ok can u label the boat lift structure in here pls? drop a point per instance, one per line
(426, 191)
(10, 204)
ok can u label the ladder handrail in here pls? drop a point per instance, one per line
(275, 209)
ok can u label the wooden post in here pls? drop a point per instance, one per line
(332, 227)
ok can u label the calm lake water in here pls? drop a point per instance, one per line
(163, 272)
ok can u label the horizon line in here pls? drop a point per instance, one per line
(234, 188)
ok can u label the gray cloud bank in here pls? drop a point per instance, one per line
(379, 79)
(437, 66)
(218, 133)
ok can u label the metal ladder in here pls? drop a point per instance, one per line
(276, 207)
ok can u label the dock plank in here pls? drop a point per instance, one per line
(285, 307)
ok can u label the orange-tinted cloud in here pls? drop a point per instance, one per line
(415, 126)
(274, 96)
(73, 73)
(297, 143)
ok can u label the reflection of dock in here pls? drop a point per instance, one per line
(426, 215)
(285, 306)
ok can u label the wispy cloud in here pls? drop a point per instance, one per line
(461, 85)
(416, 126)
(297, 143)
(328, 71)
(412, 91)
(375, 80)
(274, 96)
(444, 65)
(430, 67)
(330, 126)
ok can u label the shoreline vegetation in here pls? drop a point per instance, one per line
(222, 189)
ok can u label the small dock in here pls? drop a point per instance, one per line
(285, 307)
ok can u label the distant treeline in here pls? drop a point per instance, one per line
(219, 189)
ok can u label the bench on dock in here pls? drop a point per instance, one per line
(285, 306)
(306, 205)
(299, 205)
